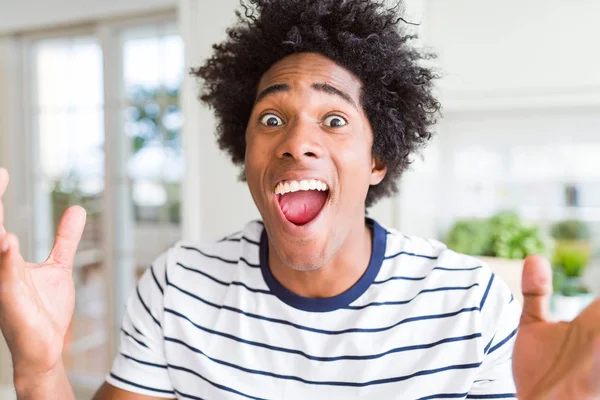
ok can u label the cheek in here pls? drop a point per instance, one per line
(354, 163)
(256, 158)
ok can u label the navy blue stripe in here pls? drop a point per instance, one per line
(188, 396)
(458, 269)
(141, 386)
(156, 280)
(444, 396)
(318, 358)
(136, 329)
(323, 331)
(254, 290)
(403, 278)
(511, 298)
(487, 347)
(420, 278)
(404, 253)
(493, 396)
(131, 336)
(166, 275)
(326, 383)
(217, 385)
(220, 258)
(506, 339)
(484, 380)
(487, 291)
(231, 236)
(137, 289)
(244, 238)
(248, 263)
(400, 302)
(144, 362)
(235, 283)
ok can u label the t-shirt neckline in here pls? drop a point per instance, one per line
(330, 303)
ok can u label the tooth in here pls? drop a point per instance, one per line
(294, 186)
(279, 188)
(286, 188)
(304, 185)
(324, 186)
(313, 184)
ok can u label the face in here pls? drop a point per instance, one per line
(308, 158)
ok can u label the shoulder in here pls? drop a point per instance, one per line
(239, 247)
(444, 267)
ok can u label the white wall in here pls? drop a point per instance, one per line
(19, 15)
(214, 202)
(515, 49)
(509, 68)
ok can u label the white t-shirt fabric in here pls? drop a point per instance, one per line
(210, 321)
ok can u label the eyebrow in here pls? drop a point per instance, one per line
(282, 87)
(327, 88)
(321, 87)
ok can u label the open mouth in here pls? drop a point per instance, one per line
(301, 201)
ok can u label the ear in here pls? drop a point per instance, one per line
(378, 171)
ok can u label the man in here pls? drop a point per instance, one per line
(323, 103)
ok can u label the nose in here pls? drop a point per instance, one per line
(302, 140)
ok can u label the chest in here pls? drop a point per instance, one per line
(240, 344)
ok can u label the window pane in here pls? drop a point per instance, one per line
(153, 73)
(69, 118)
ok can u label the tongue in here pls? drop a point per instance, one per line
(303, 206)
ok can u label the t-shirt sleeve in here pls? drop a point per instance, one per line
(140, 365)
(500, 313)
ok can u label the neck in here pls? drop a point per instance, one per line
(340, 273)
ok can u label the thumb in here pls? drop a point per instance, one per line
(594, 382)
(11, 262)
(537, 289)
(68, 236)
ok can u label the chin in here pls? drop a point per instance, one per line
(300, 258)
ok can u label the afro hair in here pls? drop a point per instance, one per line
(364, 36)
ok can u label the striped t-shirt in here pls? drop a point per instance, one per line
(423, 322)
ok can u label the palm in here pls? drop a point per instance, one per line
(554, 360)
(37, 300)
(54, 293)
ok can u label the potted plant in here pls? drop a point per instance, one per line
(569, 263)
(502, 242)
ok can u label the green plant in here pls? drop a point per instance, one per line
(571, 229)
(470, 237)
(565, 286)
(572, 259)
(512, 239)
(503, 235)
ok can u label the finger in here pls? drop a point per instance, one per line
(68, 236)
(537, 289)
(586, 381)
(10, 256)
(4, 178)
(595, 384)
(590, 317)
(2, 229)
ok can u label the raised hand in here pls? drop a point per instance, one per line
(37, 300)
(554, 361)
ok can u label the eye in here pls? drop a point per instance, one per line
(271, 120)
(335, 121)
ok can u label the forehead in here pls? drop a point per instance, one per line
(303, 70)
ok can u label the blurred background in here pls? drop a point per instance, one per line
(97, 109)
